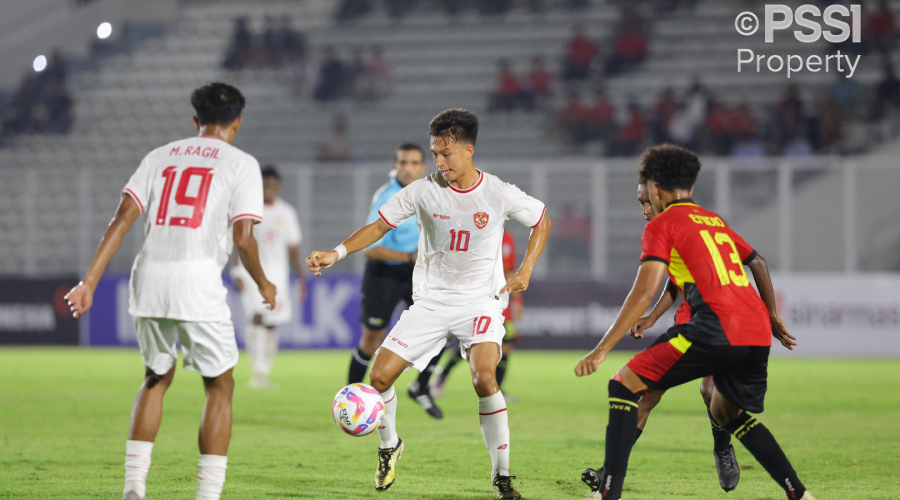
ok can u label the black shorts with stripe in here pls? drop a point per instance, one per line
(676, 358)
(383, 287)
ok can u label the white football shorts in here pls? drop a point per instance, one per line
(421, 331)
(209, 347)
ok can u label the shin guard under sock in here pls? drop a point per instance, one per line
(760, 442)
(620, 437)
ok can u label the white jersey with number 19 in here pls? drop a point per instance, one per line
(460, 236)
(191, 191)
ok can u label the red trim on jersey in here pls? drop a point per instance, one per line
(138, 200)
(385, 220)
(389, 400)
(481, 178)
(542, 217)
(246, 216)
(493, 412)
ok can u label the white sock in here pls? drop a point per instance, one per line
(137, 464)
(387, 431)
(495, 430)
(211, 476)
(257, 344)
(271, 349)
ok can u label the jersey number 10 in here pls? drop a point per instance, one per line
(461, 243)
(197, 201)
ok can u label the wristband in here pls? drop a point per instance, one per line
(341, 250)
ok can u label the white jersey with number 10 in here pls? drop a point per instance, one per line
(191, 191)
(460, 236)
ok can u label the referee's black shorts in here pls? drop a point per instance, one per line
(677, 357)
(383, 287)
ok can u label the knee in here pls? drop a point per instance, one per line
(378, 380)
(223, 385)
(152, 379)
(723, 415)
(484, 381)
(706, 393)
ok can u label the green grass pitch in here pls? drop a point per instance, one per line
(64, 419)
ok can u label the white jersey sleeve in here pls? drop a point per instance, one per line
(521, 207)
(292, 234)
(139, 185)
(402, 206)
(247, 200)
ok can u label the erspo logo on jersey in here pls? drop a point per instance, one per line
(481, 220)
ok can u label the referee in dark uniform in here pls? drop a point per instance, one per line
(388, 277)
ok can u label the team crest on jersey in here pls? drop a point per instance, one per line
(481, 220)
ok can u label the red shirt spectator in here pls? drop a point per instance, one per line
(508, 83)
(601, 113)
(631, 46)
(574, 109)
(581, 49)
(743, 122)
(718, 120)
(540, 80)
(882, 23)
(664, 107)
(635, 128)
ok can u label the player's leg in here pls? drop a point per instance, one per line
(726, 461)
(437, 389)
(420, 390)
(362, 354)
(506, 349)
(385, 370)
(156, 338)
(256, 346)
(271, 349)
(215, 436)
(210, 349)
(645, 405)
(743, 388)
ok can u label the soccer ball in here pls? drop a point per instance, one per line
(357, 409)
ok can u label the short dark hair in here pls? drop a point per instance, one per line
(217, 103)
(270, 171)
(669, 166)
(458, 124)
(411, 146)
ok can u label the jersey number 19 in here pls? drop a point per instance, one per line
(198, 200)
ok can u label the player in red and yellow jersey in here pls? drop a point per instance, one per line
(512, 315)
(728, 336)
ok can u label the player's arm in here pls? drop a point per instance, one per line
(649, 277)
(385, 254)
(81, 297)
(248, 251)
(760, 272)
(668, 297)
(362, 238)
(518, 282)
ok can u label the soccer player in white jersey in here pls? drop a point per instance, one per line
(458, 282)
(201, 196)
(279, 240)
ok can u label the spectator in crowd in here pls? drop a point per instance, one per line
(828, 128)
(580, 54)
(508, 94)
(55, 112)
(336, 149)
(879, 29)
(381, 74)
(540, 81)
(332, 82)
(720, 127)
(689, 116)
(845, 93)
(351, 10)
(790, 119)
(241, 43)
(294, 46)
(570, 121)
(887, 94)
(452, 7)
(661, 115)
(272, 43)
(629, 42)
(41, 104)
(356, 75)
(493, 7)
(600, 119)
(573, 236)
(632, 133)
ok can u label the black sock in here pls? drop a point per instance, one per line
(425, 375)
(721, 437)
(620, 436)
(501, 369)
(359, 362)
(760, 442)
(638, 434)
(456, 358)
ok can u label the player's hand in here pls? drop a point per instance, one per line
(517, 283)
(319, 260)
(80, 298)
(268, 291)
(239, 285)
(637, 331)
(779, 331)
(589, 363)
(304, 291)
